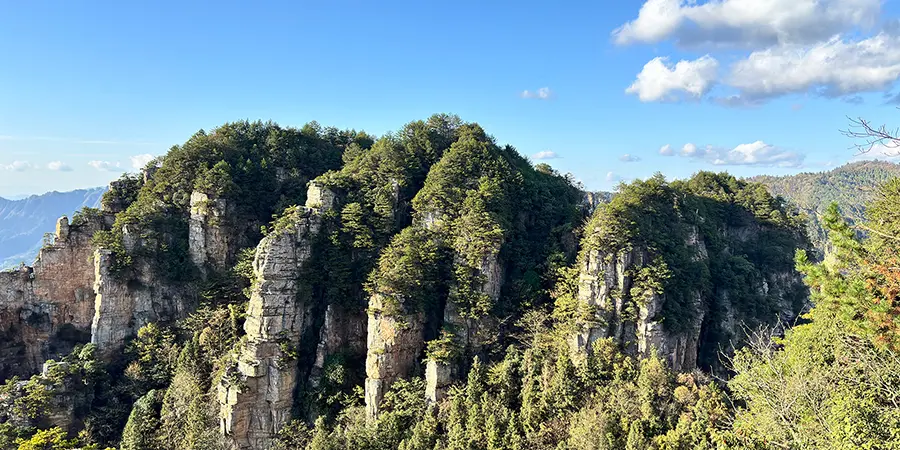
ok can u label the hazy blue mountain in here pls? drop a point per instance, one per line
(23, 222)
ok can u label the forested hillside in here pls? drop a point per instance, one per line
(24, 222)
(851, 186)
(267, 287)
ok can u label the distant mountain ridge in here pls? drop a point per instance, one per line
(24, 222)
(851, 186)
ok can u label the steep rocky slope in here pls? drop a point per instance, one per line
(46, 309)
(414, 255)
(681, 268)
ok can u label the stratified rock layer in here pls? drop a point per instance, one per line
(256, 396)
(209, 238)
(124, 304)
(47, 309)
(633, 317)
(395, 343)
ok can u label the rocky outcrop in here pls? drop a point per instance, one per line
(344, 331)
(591, 200)
(395, 343)
(632, 314)
(256, 395)
(47, 309)
(124, 304)
(438, 378)
(474, 333)
(209, 237)
(320, 197)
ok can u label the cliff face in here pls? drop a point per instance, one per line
(257, 395)
(416, 256)
(125, 304)
(689, 303)
(47, 309)
(209, 236)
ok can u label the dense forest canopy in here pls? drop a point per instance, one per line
(471, 258)
(851, 186)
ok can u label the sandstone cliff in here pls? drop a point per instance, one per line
(47, 309)
(692, 300)
(256, 396)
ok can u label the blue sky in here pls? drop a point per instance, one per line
(747, 86)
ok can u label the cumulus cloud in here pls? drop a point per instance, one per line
(666, 150)
(629, 158)
(821, 47)
(140, 161)
(756, 153)
(543, 93)
(612, 177)
(689, 150)
(546, 154)
(661, 81)
(104, 165)
(18, 166)
(59, 166)
(745, 23)
(832, 68)
(880, 152)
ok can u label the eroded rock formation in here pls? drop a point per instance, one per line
(395, 343)
(257, 394)
(343, 331)
(209, 237)
(632, 314)
(47, 309)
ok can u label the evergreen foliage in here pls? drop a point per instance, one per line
(432, 218)
(258, 168)
(851, 186)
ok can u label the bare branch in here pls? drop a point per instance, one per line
(872, 137)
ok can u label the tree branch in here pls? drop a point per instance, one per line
(871, 136)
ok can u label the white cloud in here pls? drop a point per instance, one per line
(546, 154)
(104, 165)
(689, 150)
(666, 150)
(832, 68)
(612, 177)
(753, 154)
(880, 152)
(746, 23)
(629, 158)
(660, 81)
(18, 166)
(140, 161)
(59, 166)
(820, 47)
(543, 93)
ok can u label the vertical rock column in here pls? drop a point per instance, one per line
(256, 396)
(604, 286)
(473, 333)
(208, 238)
(438, 377)
(395, 343)
(113, 306)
